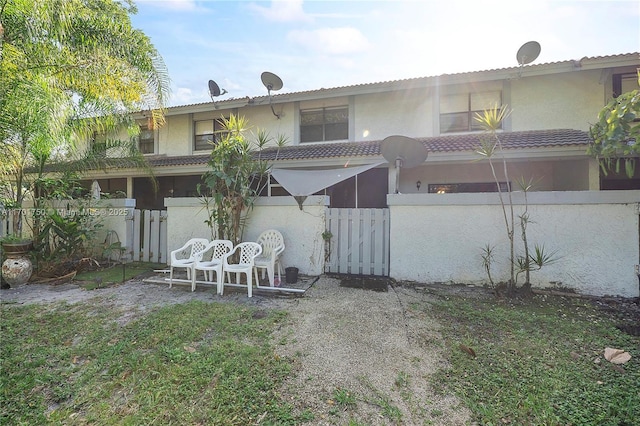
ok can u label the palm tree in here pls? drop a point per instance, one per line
(69, 68)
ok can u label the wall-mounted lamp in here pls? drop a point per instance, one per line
(418, 185)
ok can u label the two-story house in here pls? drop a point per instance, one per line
(545, 136)
(437, 213)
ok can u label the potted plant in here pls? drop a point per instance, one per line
(13, 245)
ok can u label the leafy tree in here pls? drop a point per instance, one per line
(616, 134)
(69, 68)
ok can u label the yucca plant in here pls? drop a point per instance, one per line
(490, 146)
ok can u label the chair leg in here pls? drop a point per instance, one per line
(270, 274)
(170, 276)
(249, 285)
(193, 278)
(219, 281)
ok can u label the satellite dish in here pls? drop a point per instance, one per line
(271, 82)
(214, 91)
(528, 52)
(404, 152)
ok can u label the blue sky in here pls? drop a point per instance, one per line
(314, 44)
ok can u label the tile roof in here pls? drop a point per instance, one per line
(286, 95)
(449, 143)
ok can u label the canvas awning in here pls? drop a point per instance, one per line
(301, 183)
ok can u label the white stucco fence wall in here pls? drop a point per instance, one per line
(301, 229)
(439, 238)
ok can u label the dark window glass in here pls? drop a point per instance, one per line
(146, 140)
(448, 188)
(326, 124)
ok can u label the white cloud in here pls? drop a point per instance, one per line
(331, 41)
(282, 11)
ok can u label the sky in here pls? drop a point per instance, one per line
(315, 44)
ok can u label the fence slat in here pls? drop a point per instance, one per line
(136, 235)
(162, 248)
(154, 237)
(146, 237)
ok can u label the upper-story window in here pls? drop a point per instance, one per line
(623, 83)
(457, 111)
(146, 140)
(98, 144)
(207, 133)
(324, 124)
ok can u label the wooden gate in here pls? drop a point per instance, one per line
(357, 241)
(147, 235)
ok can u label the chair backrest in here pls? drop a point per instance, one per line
(197, 244)
(190, 248)
(271, 241)
(216, 250)
(247, 252)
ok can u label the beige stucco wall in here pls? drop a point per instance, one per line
(174, 138)
(440, 239)
(407, 113)
(301, 229)
(559, 101)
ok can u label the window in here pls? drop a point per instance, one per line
(457, 112)
(146, 140)
(324, 124)
(207, 133)
(98, 144)
(623, 83)
(449, 188)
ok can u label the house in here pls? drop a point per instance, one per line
(545, 136)
(544, 142)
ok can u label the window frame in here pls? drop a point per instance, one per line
(325, 127)
(618, 82)
(465, 119)
(217, 134)
(147, 141)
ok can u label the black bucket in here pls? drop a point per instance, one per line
(291, 275)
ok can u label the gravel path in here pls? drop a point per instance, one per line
(360, 355)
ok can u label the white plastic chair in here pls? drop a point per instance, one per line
(183, 257)
(272, 243)
(210, 260)
(246, 254)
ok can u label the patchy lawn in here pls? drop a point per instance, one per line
(540, 361)
(194, 363)
(200, 361)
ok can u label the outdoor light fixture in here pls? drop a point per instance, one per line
(418, 185)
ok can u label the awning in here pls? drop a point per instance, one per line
(301, 183)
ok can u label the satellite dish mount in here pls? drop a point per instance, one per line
(404, 153)
(271, 82)
(214, 91)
